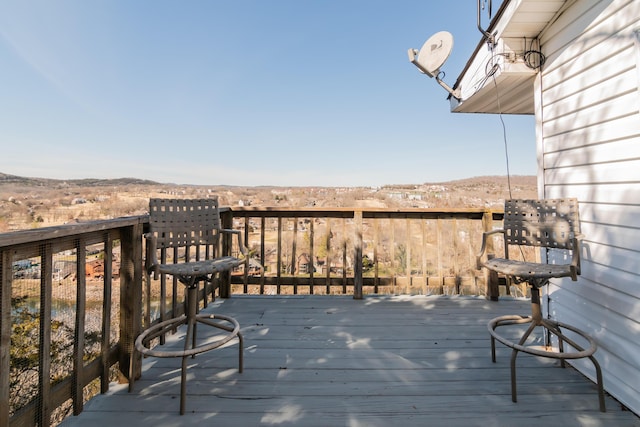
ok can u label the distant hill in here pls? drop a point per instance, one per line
(479, 180)
(85, 182)
(520, 180)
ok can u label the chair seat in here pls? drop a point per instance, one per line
(526, 270)
(201, 268)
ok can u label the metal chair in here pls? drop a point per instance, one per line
(181, 224)
(552, 224)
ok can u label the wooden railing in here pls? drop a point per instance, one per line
(39, 266)
(53, 357)
(360, 251)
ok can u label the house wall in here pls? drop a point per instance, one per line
(588, 134)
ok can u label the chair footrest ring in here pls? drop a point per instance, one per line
(209, 319)
(553, 327)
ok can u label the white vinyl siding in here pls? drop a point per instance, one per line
(588, 121)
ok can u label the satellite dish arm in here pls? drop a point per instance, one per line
(455, 93)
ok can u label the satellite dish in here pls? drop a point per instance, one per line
(432, 55)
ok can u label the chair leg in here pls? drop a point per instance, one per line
(514, 391)
(240, 353)
(188, 345)
(493, 349)
(535, 321)
(514, 354)
(189, 341)
(132, 369)
(600, 385)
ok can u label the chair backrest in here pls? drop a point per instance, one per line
(551, 223)
(184, 222)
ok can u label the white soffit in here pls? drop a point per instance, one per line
(516, 20)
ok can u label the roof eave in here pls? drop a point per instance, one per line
(509, 88)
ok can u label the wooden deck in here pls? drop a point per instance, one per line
(335, 361)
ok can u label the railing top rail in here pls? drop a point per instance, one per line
(46, 233)
(429, 213)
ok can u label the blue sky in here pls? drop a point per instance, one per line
(243, 92)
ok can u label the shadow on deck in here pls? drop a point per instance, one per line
(335, 361)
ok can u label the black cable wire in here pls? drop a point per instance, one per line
(533, 59)
(494, 68)
(505, 140)
(506, 153)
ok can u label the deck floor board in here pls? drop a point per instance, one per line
(335, 361)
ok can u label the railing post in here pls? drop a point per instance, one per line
(490, 277)
(294, 246)
(130, 300)
(43, 413)
(225, 277)
(5, 333)
(357, 261)
(311, 257)
(106, 312)
(79, 330)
